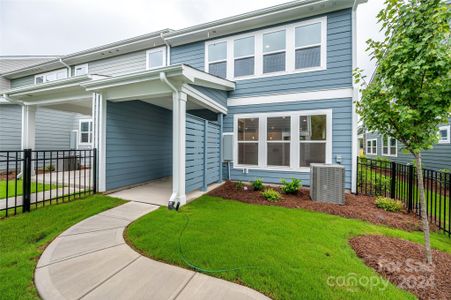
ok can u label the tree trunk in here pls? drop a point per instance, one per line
(424, 217)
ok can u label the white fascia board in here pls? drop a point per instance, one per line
(296, 97)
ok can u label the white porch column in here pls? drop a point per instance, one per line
(99, 105)
(179, 151)
(28, 127)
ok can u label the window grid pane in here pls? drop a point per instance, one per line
(247, 153)
(274, 62)
(248, 129)
(217, 51)
(308, 35)
(218, 69)
(279, 128)
(274, 41)
(244, 66)
(312, 153)
(308, 57)
(313, 128)
(278, 154)
(156, 59)
(244, 47)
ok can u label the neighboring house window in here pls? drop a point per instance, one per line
(248, 132)
(217, 59)
(85, 130)
(291, 140)
(244, 55)
(156, 58)
(389, 146)
(371, 146)
(444, 134)
(274, 55)
(292, 48)
(81, 70)
(313, 138)
(50, 76)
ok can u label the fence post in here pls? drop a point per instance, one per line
(393, 180)
(204, 183)
(357, 176)
(94, 168)
(26, 173)
(410, 182)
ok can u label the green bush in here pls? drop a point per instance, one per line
(258, 184)
(50, 168)
(271, 195)
(291, 187)
(239, 185)
(388, 204)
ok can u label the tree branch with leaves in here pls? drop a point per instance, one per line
(409, 95)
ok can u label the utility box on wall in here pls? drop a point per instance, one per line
(227, 151)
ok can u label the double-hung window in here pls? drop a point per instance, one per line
(217, 59)
(278, 141)
(283, 140)
(85, 129)
(156, 58)
(308, 46)
(371, 146)
(312, 138)
(389, 146)
(274, 51)
(244, 56)
(248, 138)
(444, 134)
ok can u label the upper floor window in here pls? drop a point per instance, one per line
(85, 129)
(50, 76)
(244, 56)
(156, 58)
(274, 55)
(217, 59)
(444, 134)
(389, 146)
(292, 48)
(81, 70)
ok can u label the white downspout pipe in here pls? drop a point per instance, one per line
(168, 50)
(175, 141)
(355, 97)
(69, 73)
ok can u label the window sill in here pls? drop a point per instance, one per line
(277, 169)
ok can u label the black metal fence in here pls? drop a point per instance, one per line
(378, 177)
(31, 179)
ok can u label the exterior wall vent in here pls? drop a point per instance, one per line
(327, 183)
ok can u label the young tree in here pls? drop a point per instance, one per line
(410, 92)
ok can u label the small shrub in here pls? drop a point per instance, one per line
(50, 168)
(258, 184)
(271, 195)
(388, 204)
(291, 187)
(239, 185)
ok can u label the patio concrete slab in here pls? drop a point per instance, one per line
(96, 223)
(65, 247)
(75, 277)
(130, 211)
(203, 287)
(144, 279)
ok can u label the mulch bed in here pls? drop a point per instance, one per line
(356, 207)
(403, 264)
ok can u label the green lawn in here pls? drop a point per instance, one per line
(284, 253)
(12, 188)
(24, 237)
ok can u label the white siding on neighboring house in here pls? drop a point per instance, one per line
(119, 65)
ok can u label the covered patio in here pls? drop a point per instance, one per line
(162, 126)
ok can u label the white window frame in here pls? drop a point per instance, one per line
(153, 50)
(294, 142)
(229, 56)
(290, 52)
(447, 128)
(84, 66)
(80, 132)
(44, 76)
(244, 56)
(389, 139)
(371, 147)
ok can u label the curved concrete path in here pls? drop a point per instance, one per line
(91, 260)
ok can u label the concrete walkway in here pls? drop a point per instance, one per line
(91, 260)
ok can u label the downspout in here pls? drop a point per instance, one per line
(176, 95)
(168, 50)
(69, 73)
(355, 97)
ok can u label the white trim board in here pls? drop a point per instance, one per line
(306, 96)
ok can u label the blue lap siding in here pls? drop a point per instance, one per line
(138, 143)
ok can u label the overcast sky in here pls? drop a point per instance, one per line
(56, 27)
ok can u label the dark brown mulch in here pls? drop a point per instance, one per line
(403, 264)
(356, 207)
